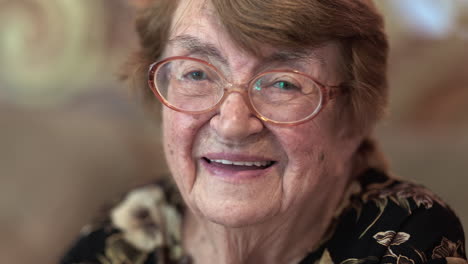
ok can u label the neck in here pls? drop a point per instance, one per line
(286, 239)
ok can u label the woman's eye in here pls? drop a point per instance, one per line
(284, 85)
(196, 75)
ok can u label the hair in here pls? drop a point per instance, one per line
(355, 24)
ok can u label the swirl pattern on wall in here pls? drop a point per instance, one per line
(48, 49)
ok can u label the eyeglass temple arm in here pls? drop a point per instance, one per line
(334, 91)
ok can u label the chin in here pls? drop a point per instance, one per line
(237, 214)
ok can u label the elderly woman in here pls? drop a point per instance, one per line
(268, 113)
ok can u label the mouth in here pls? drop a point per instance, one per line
(237, 168)
(239, 165)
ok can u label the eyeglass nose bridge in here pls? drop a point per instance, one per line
(235, 88)
(242, 89)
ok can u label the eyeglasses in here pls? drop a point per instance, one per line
(282, 97)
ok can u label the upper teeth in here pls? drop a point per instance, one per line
(243, 163)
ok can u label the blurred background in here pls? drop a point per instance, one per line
(71, 139)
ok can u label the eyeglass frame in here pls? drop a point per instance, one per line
(328, 92)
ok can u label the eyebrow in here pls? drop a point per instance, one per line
(196, 46)
(296, 56)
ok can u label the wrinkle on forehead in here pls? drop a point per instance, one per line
(195, 45)
(194, 9)
(186, 8)
(192, 30)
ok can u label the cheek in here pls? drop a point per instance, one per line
(318, 154)
(310, 163)
(306, 155)
(302, 150)
(179, 133)
(305, 146)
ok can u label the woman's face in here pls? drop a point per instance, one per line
(309, 162)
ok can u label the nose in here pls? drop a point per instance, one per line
(235, 121)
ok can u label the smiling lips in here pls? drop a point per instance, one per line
(222, 164)
(259, 164)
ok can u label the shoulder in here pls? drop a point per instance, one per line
(141, 227)
(396, 221)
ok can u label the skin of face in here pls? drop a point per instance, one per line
(313, 160)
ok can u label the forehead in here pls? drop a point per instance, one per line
(195, 22)
(188, 10)
(199, 17)
(196, 27)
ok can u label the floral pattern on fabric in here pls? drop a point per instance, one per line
(448, 248)
(142, 228)
(119, 251)
(381, 220)
(391, 238)
(400, 193)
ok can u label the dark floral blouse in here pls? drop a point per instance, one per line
(384, 220)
